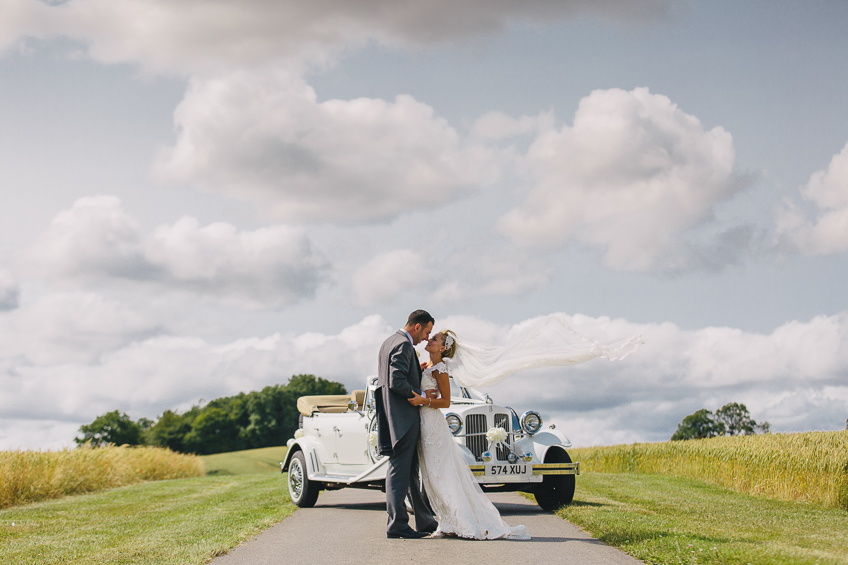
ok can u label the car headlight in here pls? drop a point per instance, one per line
(454, 423)
(531, 422)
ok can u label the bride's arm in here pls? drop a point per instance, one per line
(444, 391)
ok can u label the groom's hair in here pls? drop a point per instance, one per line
(420, 317)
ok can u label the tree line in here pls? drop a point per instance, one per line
(263, 418)
(732, 419)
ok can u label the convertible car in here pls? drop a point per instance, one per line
(335, 447)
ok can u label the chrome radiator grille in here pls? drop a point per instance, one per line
(476, 424)
(502, 421)
(477, 444)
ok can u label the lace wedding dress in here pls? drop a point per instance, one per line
(456, 498)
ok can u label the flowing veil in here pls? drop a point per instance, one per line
(545, 342)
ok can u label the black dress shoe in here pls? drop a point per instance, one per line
(410, 534)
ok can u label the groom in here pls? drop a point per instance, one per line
(399, 423)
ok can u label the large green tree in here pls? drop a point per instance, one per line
(731, 419)
(736, 419)
(170, 430)
(245, 421)
(265, 416)
(700, 424)
(216, 429)
(113, 427)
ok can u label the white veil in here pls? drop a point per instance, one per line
(547, 341)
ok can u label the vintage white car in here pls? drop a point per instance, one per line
(335, 447)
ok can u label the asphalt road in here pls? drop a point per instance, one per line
(349, 526)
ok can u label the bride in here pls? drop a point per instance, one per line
(456, 498)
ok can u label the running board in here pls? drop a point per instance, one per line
(346, 479)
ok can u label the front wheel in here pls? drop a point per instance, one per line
(303, 492)
(556, 490)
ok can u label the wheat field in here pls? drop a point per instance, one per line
(30, 476)
(809, 466)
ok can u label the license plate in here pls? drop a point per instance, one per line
(509, 469)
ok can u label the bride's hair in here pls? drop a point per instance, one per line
(450, 338)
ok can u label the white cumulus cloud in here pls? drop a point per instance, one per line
(97, 239)
(21, 18)
(792, 377)
(630, 177)
(263, 136)
(827, 193)
(76, 327)
(146, 376)
(272, 266)
(800, 365)
(201, 35)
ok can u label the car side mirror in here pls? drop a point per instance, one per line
(353, 406)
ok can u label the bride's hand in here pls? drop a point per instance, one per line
(418, 400)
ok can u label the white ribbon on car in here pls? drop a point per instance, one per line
(496, 436)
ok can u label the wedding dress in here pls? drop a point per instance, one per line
(457, 500)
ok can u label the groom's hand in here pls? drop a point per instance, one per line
(431, 393)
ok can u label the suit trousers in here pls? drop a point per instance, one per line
(402, 480)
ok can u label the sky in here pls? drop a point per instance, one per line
(206, 197)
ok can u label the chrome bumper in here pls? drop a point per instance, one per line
(538, 469)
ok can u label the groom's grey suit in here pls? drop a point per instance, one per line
(399, 374)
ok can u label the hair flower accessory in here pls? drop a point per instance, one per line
(496, 435)
(448, 341)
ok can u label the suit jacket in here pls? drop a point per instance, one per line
(399, 374)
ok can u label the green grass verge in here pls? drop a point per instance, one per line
(661, 519)
(806, 466)
(262, 460)
(182, 521)
(655, 518)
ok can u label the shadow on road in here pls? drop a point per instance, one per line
(372, 506)
(507, 509)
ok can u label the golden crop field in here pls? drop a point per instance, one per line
(809, 466)
(29, 476)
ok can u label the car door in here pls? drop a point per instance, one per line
(352, 439)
